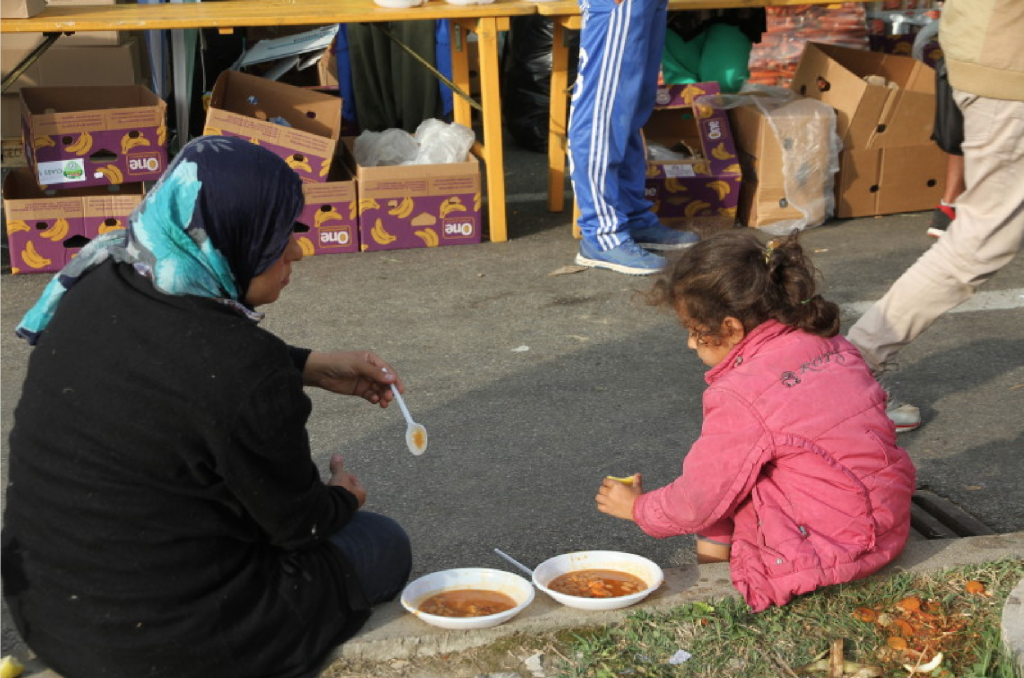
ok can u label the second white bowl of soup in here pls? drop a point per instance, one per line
(467, 598)
(598, 580)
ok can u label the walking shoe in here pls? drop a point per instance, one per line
(941, 218)
(627, 258)
(905, 416)
(661, 237)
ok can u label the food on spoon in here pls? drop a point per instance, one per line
(628, 480)
(467, 603)
(597, 584)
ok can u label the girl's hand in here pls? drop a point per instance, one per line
(342, 478)
(357, 373)
(616, 498)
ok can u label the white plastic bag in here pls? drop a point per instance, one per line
(435, 142)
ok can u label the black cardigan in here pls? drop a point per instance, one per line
(164, 516)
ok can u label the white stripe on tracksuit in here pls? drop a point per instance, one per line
(609, 107)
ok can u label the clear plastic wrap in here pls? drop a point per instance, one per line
(806, 131)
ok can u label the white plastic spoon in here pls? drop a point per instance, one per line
(415, 434)
(515, 562)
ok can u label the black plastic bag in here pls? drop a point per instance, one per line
(527, 86)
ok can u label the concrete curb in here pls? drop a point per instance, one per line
(392, 633)
(1013, 625)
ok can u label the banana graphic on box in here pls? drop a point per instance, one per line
(672, 185)
(722, 188)
(112, 173)
(161, 135)
(428, 236)
(42, 141)
(58, 231)
(732, 169)
(452, 204)
(17, 226)
(32, 258)
(325, 213)
(652, 170)
(353, 210)
(298, 162)
(721, 153)
(82, 145)
(477, 201)
(131, 140)
(380, 236)
(325, 167)
(308, 249)
(695, 207)
(727, 211)
(368, 204)
(110, 225)
(401, 209)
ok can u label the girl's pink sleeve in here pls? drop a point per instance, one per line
(718, 472)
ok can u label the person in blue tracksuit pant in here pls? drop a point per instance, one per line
(620, 58)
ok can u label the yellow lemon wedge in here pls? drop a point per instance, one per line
(628, 480)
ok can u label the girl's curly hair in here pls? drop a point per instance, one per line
(735, 274)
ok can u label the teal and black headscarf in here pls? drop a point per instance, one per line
(221, 214)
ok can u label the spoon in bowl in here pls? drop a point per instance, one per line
(415, 434)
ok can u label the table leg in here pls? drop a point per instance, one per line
(491, 149)
(558, 116)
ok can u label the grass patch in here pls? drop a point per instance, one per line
(884, 623)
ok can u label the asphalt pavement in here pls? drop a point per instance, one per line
(533, 385)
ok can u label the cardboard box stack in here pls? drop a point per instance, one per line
(702, 190)
(885, 108)
(88, 150)
(83, 58)
(303, 127)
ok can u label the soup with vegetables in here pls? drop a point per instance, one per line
(467, 603)
(597, 584)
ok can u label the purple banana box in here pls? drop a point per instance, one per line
(703, 187)
(76, 137)
(409, 206)
(46, 229)
(329, 221)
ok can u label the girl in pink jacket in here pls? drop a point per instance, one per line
(796, 478)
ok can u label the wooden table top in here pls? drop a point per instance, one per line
(570, 7)
(240, 13)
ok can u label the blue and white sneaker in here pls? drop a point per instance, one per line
(628, 258)
(661, 237)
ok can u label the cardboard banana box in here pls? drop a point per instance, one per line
(329, 221)
(705, 186)
(46, 229)
(76, 137)
(299, 125)
(410, 206)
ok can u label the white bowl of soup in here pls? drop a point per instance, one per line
(598, 580)
(467, 598)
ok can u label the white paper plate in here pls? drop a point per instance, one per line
(512, 585)
(638, 566)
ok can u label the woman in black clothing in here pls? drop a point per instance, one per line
(164, 516)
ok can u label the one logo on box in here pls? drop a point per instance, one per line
(143, 163)
(714, 129)
(458, 228)
(335, 237)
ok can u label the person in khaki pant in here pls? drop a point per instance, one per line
(981, 43)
